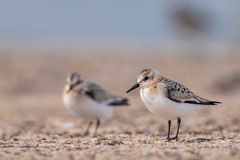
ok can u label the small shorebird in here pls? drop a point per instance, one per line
(168, 99)
(89, 100)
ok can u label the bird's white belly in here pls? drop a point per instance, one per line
(167, 108)
(87, 108)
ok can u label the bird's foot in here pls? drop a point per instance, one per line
(86, 133)
(173, 138)
(95, 135)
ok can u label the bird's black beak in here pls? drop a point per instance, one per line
(133, 87)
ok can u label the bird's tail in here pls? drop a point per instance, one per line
(213, 103)
(118, 101)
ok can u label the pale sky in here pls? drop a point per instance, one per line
(109, 20)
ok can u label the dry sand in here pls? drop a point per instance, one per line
(35, 125)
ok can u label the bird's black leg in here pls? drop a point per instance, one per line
(169, 127)
(87, 131)
(176, 137)
(179, 123)
(97, 126)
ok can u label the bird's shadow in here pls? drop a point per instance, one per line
(199, 140)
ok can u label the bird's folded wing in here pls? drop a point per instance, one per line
(179, 93)
(98, 94)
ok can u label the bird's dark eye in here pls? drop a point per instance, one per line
(146, 78)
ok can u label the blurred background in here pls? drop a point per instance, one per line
(159, 25)
(109, 42)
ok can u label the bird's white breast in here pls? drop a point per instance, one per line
(159, 104)
(86, 107)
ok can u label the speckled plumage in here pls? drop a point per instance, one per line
(179, 93)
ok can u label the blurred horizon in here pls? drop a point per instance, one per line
(157, 24)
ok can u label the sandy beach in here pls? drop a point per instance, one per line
(35, 125)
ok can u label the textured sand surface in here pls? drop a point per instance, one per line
(35, 125)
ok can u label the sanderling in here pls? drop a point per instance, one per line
(89, 100)
(168, 99)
